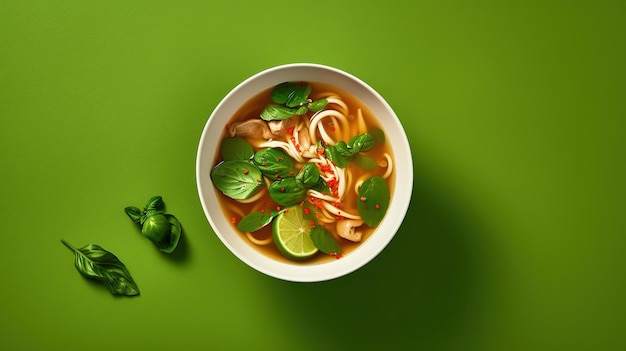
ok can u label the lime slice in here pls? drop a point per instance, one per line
(291, 231)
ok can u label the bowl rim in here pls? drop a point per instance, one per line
(364, 253)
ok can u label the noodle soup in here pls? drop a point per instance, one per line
(332, 145)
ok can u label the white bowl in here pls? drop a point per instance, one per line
(209, 147)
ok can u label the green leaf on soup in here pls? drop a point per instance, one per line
(282, 92)
(335, 157)
(277, 112)
(287, 191)
(302, 110)
(299, 95)
(378, 135)
(321, 186)
(324, 240)
(256, 220)
(365, 162)
(373, 200)
(318, 105)
(361, 143)
(236, 149)
(274, 163)
(343, 149)
(237, 179)
(308, 175)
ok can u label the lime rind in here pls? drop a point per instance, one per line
(291, 232)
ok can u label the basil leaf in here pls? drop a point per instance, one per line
(318, 105)
(373, 200)
(378, 135)
(135, 214)
(236, 149)
(282, 92)
(287, 191)
(94, 262)
(155, 204)
(274, 163)
(321, 186)
(277, 112)
(308, 175)
(299, 95)
(333, 155)
(365, 162)
(237, 179)
(324, 240)
(302, 110)
(344, 149)
(361, 143)
(256, 220)
(169, 243)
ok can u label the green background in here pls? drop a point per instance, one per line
(514, 111)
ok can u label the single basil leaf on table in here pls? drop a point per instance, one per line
(287, 191)
(135, 214)
(94, 262)
(277, 112)
(373, 200)
(274, 163)
(237, 179)
(236, 148)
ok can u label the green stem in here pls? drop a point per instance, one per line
(68, 245)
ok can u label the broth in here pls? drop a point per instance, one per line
(235, 210)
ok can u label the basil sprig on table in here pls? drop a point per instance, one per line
(163, 229)
(94, 262)
(291, 98)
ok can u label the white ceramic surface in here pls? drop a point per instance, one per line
(400, 198)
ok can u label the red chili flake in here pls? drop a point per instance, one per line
(363, 198)
(290, 130)
(258, 180)
(307, 211)
(262, 210)
(282, 190)
(291, 173)
(260, 225)
(246, 171)
(377, 206)
(286, 211)
(312, 224)
(302, 203)
(279, 159)
(298, 148)
(366, 207)
(337, 203)
(338, 256)
(320, 150)
(277, 208)
(233, 220)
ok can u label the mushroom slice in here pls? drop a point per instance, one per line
(252, 128)
(279, 128)
(346, 228)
